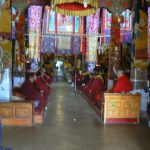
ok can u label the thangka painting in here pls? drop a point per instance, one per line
(35, 15)
(48, 30)
(140, 34)
(64, 25)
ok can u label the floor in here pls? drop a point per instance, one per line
(71, 124)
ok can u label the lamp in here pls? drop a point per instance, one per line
(75, 7)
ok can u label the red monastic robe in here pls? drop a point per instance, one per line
(96, 85)
(42, 86)
(30, 92)
(122, 84)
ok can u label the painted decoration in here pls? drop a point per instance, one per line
(35, 14)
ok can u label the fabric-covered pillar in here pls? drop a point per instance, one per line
(114, 54)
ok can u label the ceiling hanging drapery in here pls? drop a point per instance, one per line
(115, 6)
(20, 5)
(75, 7)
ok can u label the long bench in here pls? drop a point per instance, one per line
(16, 113)
(117, 108)
(21, 113)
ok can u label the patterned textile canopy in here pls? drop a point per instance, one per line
(75, 7)
(116, 6)
(20, 4)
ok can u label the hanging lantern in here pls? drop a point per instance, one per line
(75, 7)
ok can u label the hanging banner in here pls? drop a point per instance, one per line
(35, 15)
(48, 30)
(92, 53)
(92, 29)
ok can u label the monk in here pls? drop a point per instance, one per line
(29, 90)
(41, 84)
(122, 84)
(47, 77)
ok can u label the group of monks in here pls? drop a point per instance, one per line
(96, 85)
(37, 86)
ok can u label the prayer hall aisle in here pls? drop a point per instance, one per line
(71, 124)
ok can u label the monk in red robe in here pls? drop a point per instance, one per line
(29, 90)
(47, 77)
(122, 84)
(41, 84)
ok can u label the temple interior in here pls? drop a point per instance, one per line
(74, 74)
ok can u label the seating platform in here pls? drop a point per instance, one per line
(117, 108)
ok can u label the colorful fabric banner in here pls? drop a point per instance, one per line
(35, 15)
(92, 29)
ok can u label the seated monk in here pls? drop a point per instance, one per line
(41, 85)
(88, 85)
(122, 84)
(47, 77)
(97, 84)
(29, 90)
